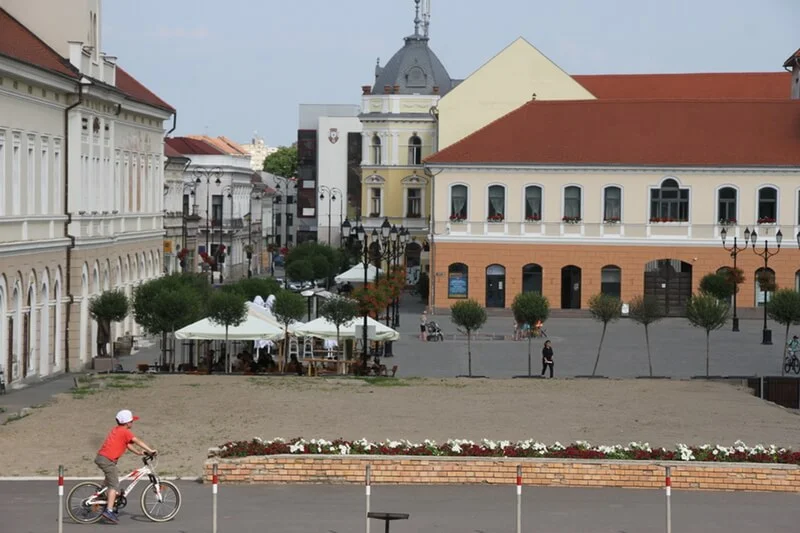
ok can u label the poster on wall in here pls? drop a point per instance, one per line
(457, 285)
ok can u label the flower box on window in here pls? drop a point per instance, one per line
(374, 215)
(727, 222)
(457, 218)
(495, 218)
(533, 218)
(665, 220)
(571, 220)
(611, 220)
(766, 220)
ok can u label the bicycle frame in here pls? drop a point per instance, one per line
(134, 477)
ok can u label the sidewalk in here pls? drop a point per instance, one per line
(37, 394)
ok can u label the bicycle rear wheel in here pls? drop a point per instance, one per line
(164, 510)
(76, 506)
(796, 365)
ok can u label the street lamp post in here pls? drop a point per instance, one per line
(208, 175)
(383, 240)
(404, 238)
(288, 183)
(254, 195)
(734, 251)
(331, 192)
(766, 334)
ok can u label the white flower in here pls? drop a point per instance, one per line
(297, 447)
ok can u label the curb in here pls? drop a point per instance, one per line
(88, 478)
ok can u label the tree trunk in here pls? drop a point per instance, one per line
(172, 358)
(285, 346)
(599, 348)
(708, 351)
(529, 355)
(647, 342)
(785, 349)
(227, 355)
(469, 353)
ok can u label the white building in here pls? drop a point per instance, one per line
(81, 149)
(258, 151)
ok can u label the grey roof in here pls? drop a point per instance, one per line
(415, 68)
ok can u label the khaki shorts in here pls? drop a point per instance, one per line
(109, 468)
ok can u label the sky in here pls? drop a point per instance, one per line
(240, 66)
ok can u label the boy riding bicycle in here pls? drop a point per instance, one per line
(794, 345)
(119, 439)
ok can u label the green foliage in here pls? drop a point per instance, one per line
(282, 163)
(766, 281)
(227, 309)
(288, 307)
(530, 308)
(784, 307)
(424, 286)
(110, 306)
(171, 302)
(468, 315)
(320, 261)
(707, 312)
(719, 285)
(339, 311)
(646, 310)
(300, 271)
(605, 309)
(252, 287)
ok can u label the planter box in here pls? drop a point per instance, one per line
(416, 470)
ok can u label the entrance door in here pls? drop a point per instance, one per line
(26, 342)
(496, 286)
(570, 287)
(670, 282)
(10, 354)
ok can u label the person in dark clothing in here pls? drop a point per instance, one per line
(547, 358)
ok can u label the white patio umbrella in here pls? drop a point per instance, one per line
(253, 328)
(356, 274)
(323, 329)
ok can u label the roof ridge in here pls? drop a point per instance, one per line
(664, 100)
(64, 62)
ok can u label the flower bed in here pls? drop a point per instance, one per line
(738, 453)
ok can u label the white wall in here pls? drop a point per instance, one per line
(57, 21)
(332, 172)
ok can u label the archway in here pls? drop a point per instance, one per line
(495, 286)
(45, 338)
(14, 344)
(611, 281)
(532, 278)
(413, 260)
(29, 332)
(570, 287)
(59, 309)
(670, 282)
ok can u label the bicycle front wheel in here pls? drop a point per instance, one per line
(796, 365)
(167, 507)
(77, 508)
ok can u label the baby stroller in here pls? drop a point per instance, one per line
(433, 332)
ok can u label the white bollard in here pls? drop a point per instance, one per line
(60, 498)
(668, 491)
(214, 491)
(367, 490)
(519, 499)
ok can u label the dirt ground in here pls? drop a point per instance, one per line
(183, 416)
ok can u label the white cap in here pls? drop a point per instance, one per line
(125, 416)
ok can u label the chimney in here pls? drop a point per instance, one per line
(75, 53)
(396, 89)
(387, 89)
(366, 89)
(435, 89)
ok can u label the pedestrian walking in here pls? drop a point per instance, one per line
(423, 323)
(547, 358)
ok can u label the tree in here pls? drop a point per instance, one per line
(340, 312)
(468, 316)
(324, 261)
(605, 309)
(226, 309)
(530, 308)
(719, 285)
(646, 310)
(288, 307)
(707, 312)
(169, 303)
(282, 163)
(252, 287)
(300, 271)
(108, 307)
(784, 308)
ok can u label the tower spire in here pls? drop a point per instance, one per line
(426, 17)
(416, 18)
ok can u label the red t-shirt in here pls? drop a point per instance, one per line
(116, 443)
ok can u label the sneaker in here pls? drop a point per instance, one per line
(111, 516)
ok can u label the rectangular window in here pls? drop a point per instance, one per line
(186, 205)
(572, 203)
(669, 203)
(458, 202)
(374, 202)
(767, 205)
(414, 203)
(727, 205)
(533, 203)
(612, 204)
(216, 210)
(289, 220)
(611, 281)
(16, 176)
(44, 208)
(57, 186)
(30, 201)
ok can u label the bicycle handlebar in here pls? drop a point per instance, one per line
(148, 457)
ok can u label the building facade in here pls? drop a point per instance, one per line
(258, 151)
(85, 145)
(180, 214)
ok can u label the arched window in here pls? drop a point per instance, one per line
(612, 204)
(572, 203)
(611, 281)
(532, 278)
(377, 156)
(669, 203)
(726, 205)
(533, 203)
(457, 280)
(797, 281)
(415, 151)
(497, 203)
(764, 285)
(458, 202)
(767, 205)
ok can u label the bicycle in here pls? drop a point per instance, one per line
(791, 363)
(85, 502)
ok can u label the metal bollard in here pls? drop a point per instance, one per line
(519, 499)
(60, 498)
(668, 491)
(214, 490)
(367, 476)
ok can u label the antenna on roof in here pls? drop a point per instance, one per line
(426, 17)
(416, 18)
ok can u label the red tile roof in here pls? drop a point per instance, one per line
(169, 151)
(187, 146)
(18, 42)
(637, 132)
(792, 59)
(136, 91)
(723, 85)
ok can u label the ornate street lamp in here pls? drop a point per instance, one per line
(734, 251)
(207, 176)
(766, 334)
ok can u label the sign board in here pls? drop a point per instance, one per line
(360, 331)
(167, 247)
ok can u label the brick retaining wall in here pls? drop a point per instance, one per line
(407, 470)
